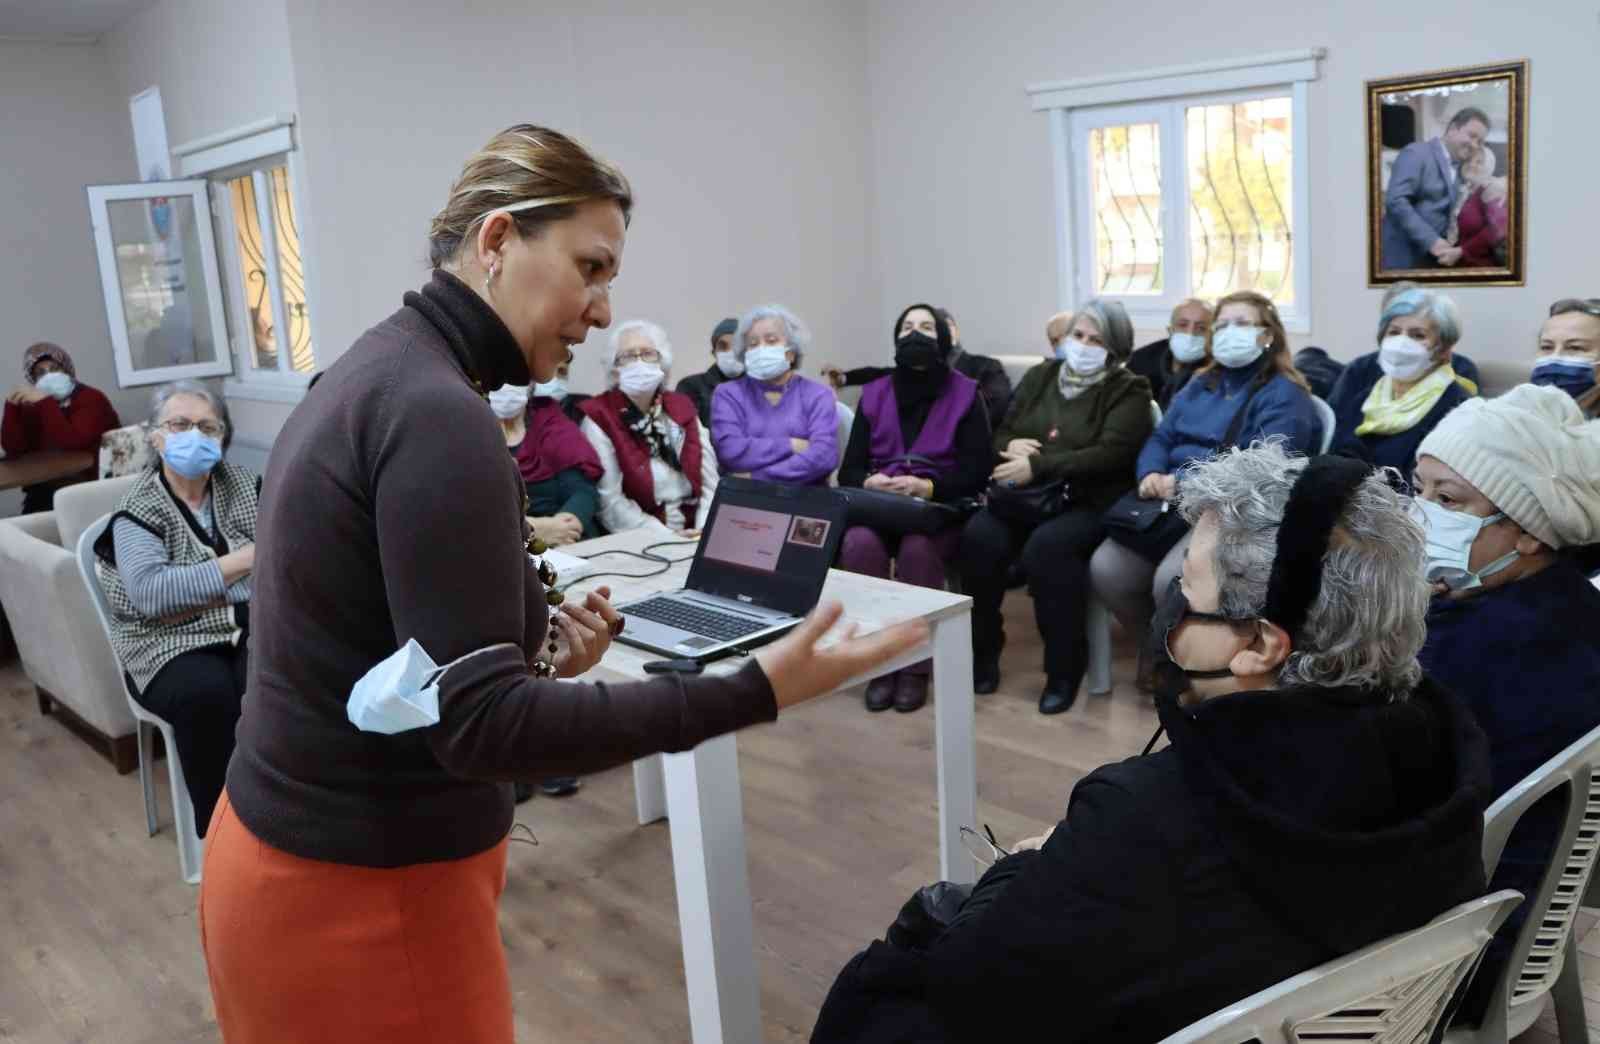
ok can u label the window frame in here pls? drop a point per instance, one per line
(253, 148)
(1161, 96)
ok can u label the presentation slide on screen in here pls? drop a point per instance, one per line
(748, 537)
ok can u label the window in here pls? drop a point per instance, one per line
(271, 319)
(1184, 182)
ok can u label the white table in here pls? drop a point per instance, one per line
(698, 791)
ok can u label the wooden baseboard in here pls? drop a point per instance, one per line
(121, 751)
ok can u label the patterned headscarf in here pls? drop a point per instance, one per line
(46, 350)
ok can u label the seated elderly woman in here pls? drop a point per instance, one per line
(175, 564)
(657, 468)
(994, 386)
(559, 468)
(1505, 485)
(773, 424)
(1568, 356)
(1249, 390)
(1386, 402)
(1310, 763)
(1079, 420)
(52, 411)
(922, 431)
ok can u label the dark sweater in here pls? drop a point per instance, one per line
(1394, 451)
(1091, 441)
(1279, 830)
(393, 511)
(700, 387)
(1167, 376)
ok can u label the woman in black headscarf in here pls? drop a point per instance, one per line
(923, 432)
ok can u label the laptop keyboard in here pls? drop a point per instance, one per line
(696, 619)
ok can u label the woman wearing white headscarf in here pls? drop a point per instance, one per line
(1505, 487)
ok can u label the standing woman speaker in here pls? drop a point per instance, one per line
(352, 877)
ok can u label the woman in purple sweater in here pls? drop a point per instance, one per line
(773, 424)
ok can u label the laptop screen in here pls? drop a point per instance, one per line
(769, 544)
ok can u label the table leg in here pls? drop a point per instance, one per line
(954, 744)
(706, 815)
(649, 789)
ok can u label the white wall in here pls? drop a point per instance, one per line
(742, 128)
(220, 64)
(63, 126)
(961, 167)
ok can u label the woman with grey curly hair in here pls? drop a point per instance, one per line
(1308, 757)
(773, 424)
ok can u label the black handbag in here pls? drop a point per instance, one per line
(1148, 528)
(1028, 505)
(1151, 528)
(895, 514)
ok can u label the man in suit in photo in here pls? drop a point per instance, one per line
(1422, 190)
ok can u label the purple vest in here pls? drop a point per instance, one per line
(937, 439)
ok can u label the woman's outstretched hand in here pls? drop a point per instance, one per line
(799, 670)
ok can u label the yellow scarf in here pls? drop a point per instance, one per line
(1383, 414)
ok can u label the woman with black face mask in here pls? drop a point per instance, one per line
(920, 432)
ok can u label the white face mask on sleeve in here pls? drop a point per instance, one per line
(401, 691)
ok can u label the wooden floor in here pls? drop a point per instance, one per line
(98, 938)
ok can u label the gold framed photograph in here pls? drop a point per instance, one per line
(1447, 176)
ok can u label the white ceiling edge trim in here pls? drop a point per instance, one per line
(1173, 80)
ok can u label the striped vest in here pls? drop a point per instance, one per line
(145, 645)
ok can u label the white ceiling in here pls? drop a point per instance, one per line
(65, 17)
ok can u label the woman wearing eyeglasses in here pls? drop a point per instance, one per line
(657, 466)
(175, 565)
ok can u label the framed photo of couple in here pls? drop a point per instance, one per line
(1447, 177)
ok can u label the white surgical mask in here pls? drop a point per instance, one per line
(509, 400)
(1187, 347)
(640, 378)
(1402, 358)
(729, 363)
(401, 691)
(1450, 536)
(1235, 346)
(767, 362)
(56, 384)
(555, 388)
(1084, 359)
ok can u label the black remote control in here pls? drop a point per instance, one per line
(674, 667)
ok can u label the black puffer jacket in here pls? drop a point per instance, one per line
(1279, 830)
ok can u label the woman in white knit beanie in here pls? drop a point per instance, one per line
(1507, 487)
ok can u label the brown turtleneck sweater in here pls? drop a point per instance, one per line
(391, 511)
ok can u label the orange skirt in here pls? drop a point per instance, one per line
(301, 951)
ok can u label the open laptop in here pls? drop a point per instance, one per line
(759, 569)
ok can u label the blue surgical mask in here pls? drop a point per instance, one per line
(767, 362)
(56, 384)
(191, 454)
(728, 362)
(1573, 376)
(1235, 346)
(1449, 536)
(1187, 348)
(555, 388)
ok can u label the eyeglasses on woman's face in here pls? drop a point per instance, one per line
(633, 355)
(178, 425)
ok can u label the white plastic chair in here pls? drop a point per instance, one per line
(182, 808)
(1325, 412)
(1392, 992)
(847, 420)
(1545, 956)
(1097, 624)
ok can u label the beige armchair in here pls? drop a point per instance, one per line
(62, 646)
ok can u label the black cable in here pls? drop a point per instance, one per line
(646, 555)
